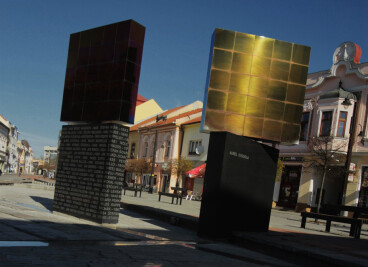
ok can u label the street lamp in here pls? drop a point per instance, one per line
(158, 118)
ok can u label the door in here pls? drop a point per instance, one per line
(289, 188)
(363, 194)
(165, 183)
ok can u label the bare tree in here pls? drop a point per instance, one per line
(325, 153)
(180, 166)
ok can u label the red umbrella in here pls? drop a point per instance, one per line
(197, 171)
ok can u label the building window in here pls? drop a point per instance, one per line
(342, 124)
(304, 126)
(167, 149)
(326, 121)
(145, 151)
(132, 150)
(193, 146)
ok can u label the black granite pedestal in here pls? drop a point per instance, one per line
(238, 186)
(90, 171)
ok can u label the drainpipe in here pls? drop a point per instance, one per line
(350, 150)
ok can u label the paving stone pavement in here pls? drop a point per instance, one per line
(140, 240)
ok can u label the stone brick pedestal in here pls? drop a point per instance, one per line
(90, 171)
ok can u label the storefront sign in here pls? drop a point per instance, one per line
(298, 159)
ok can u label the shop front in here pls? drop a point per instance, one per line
(289, 186)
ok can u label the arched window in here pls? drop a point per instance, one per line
(145, 151)
(167, 152)
(132, 150)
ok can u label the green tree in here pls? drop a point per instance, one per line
(179, 166)
(139, 166)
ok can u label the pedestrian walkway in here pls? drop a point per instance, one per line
(30, 234)
(285, 234)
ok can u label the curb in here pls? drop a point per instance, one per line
(240, 239)
(177, 219)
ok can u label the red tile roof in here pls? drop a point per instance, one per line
(140, 100)
(152, 119)
(193, 121)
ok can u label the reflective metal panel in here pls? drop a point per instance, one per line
(282, 50)
(219, 79)
(301, 54)
(276, 90)
(224, 39)
(222, 59)
(261, 66)
(272, 130)
(239, 83)
(279, 70)
(244, 42)
(253, 127)
(256, 87)
(234, 123)
(217, 100)
(241, 63)
(255, 106)
(274, 110)
(236, 103)
(295, 93)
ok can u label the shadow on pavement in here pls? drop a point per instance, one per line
(46, 202)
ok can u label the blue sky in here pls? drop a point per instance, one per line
(34, 37)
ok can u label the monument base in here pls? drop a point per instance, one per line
(90, 171)
(238, 186)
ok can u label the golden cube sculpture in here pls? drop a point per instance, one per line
(255, 87)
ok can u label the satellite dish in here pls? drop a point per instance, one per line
(199, 150)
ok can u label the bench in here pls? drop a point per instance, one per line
(172, 195)
(136, 188)
(355, 224)
(358, 212)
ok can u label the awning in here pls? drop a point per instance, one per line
(197, 172)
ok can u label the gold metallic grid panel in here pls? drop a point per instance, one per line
(289, 131)
(255, 106)
(234, 123)
(272, 130)
(253, 127)
(256, 87)
(222, 59)
(239, 83)
(215, 121)
(293, 113)
(298, 74)
(295, 93)
(261, 66)
(217, 100)
(244, 42)
(236, 103)
(276, 90)
(219, 79)
(301, 54)
(274, 110)
(263, 46)
(224, 39)
(279, 70)
(282, 50)
(241, 63)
